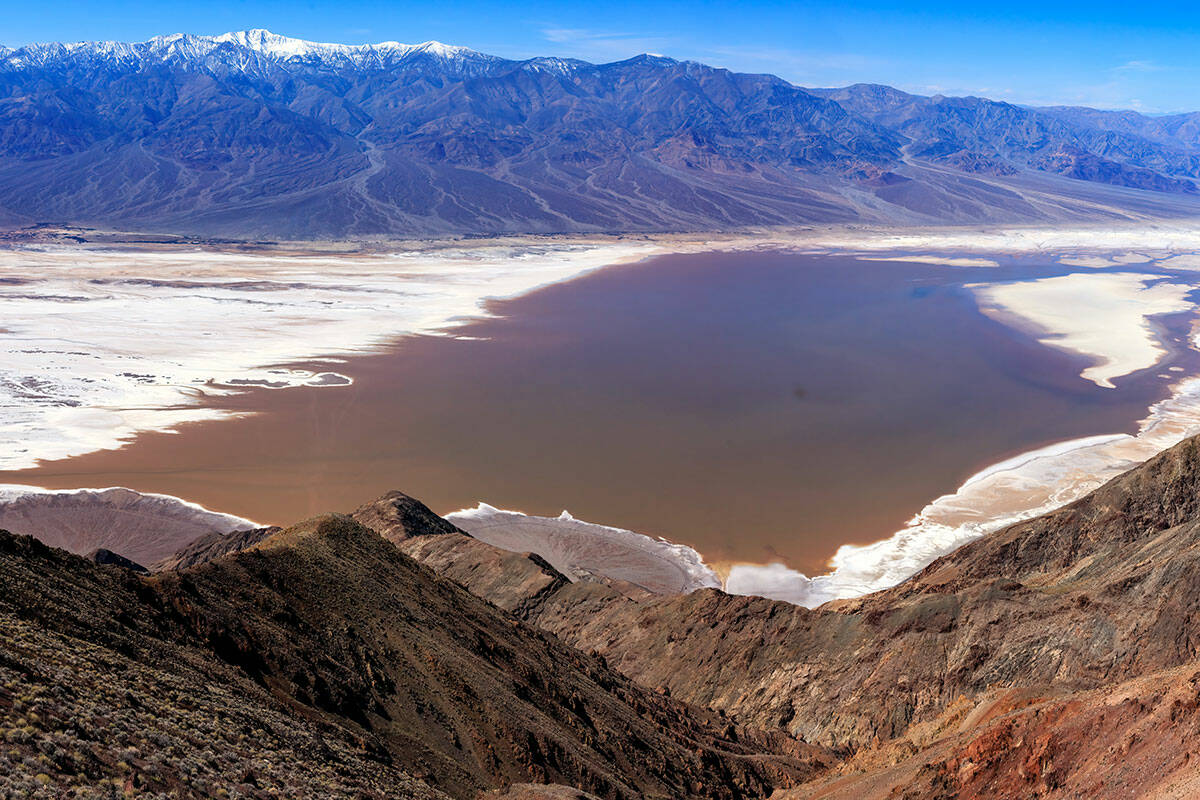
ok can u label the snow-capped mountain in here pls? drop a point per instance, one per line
(251, 50)
(255, 134)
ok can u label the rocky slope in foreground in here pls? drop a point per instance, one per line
(322, 661)
(1055, 658)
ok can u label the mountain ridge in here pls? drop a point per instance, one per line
(344, 669)
(251, 134)
(184, 48)
(1015, 666)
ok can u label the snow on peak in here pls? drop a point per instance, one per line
(284, 48)
(269, 43)
(183, 47)
(552, 64)
(440, 50)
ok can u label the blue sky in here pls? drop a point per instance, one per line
(1113, 55)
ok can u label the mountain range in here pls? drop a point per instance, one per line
(252, 134)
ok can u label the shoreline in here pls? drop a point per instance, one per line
(1125, 340)
(1031, 484)
(250, 319)
(175, 401)
(1015, 488)
(946, 511)
(1095, 242)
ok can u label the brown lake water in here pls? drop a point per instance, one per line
(756, 406)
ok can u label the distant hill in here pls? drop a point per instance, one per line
(251, 134)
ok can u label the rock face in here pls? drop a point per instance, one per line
(1136, 738)
(1013, 667)
(1056, 658)
(398, 517)
(516, 582)
(352, 669)
(251, 134)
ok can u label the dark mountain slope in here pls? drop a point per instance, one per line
(1089, 611)
(252, 134)
(212, 546)
(102, 694)
(975, 134)
(1103, 590)
(1056, 658)
(1167, 128)
(328, 624)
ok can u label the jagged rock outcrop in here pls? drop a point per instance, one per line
(1088, 611)
(516, 582)
(398, 517)
(520, 582)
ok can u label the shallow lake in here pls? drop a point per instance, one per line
(757, 406)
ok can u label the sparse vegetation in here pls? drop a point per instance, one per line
(80, 721)
(323, 662)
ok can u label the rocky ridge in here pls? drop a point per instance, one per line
(422, 686)
(1092, 607)
(1056, 658)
